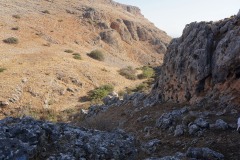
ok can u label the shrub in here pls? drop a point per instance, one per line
(68, 51)
(100, 92)
(147, 72)
(141, 87)
(15, 28)
(11, 40)
(128, 73)
(46, 12)
(96, 54)
(16, 16)
(77, 56)
(2, 69)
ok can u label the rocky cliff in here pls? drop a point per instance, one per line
(203, 64)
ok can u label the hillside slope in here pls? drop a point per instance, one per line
(40, 74)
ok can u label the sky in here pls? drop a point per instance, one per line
(172, 15)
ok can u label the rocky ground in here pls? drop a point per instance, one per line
(190, 114)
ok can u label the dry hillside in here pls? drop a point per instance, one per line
(38, 71)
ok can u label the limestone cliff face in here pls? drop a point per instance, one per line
(203, 64)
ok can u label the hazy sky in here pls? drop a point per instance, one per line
(172, 15)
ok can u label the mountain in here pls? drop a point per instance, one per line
(37, 71)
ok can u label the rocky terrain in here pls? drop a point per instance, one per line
(190, 114)
(38, 68)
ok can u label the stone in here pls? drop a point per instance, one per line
(193, 129)
(202, 123)
(151, 146)
(204, 153)
(25, 138)
(220, 125)
(179, 130)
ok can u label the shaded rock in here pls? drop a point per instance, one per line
(201, 123)
(219, 125)
(167, 119)
(110, 37)
(151, 146)
(179, 130)
(204, 153)
(193, 129)
(25, 138)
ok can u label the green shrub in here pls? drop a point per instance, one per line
(99, 93)
(2, 69)
(128, 73)
(68, 51)
(97, 54)
(147, 72)
(121, 93)
(141, 87)
(46, 12)
(77, 56)
(16, 16)
(11, 40)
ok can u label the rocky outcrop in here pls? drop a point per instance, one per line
(122, 32)
(27, 138)
(203, 64)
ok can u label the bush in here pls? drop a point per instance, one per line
(11, 40)
(15, 28)
(2, 69)
(99, 93)
(141, 87)
(16, 16)
(147, 72)
(68, 51)
(77, 56)
(128, 73)
(96, 54)
(46, 12)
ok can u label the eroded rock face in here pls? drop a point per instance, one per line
(204, 63)
(27, 138)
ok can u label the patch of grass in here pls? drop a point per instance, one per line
(46, 12)
(77, 56)
(99, 93)
(147, 72)
(16, 16)
(2, 69)
(15, 28)
(141, 87)
(11, 40)
(97, 54)
(121, 93)
(128, 72)
(69, 51)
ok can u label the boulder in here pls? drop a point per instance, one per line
(26, 138)
(204, 153)
(151, 146)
